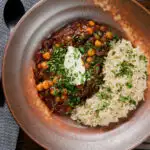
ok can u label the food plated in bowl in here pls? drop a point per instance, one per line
(23, 95)
(86, 71)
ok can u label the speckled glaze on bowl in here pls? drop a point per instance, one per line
(60, 133)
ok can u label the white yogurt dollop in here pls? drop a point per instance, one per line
(74, 65)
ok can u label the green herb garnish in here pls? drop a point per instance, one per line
(142, 57)
(73, 101)
(127, 99)
(104, 105)
(108, 89)
(57, 60)
(82, 50)
(116, 37)
(124, 98)
(129, 85)
(103, 95)
(125, 69)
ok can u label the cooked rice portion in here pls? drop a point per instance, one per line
(125, 76)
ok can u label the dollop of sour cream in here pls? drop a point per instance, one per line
(74, 66)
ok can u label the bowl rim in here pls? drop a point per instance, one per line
(12, 34)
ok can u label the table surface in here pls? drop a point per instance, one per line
(24, 142)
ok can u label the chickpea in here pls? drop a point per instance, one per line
(89, 30)
(39, 87)
(87, 66)
(55, 80)
(46, 84)
(91, 23)
(98, 43)
(52, 91)
(89, 59)
(57, 45)
(91, 52)
(64, 91)
(57, 99)
(44, 65)
(64, 97)
(51, 83)
(109, 35)
(47, 55)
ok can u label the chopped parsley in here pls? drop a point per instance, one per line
(57, 60)
(82, 50)
(143, 58)
(125, 69)
(116, 38)
(104, 105)
(77, 38)
(73, 101)
(124, 98)
(103, 95)
(88, 45)
(129, 85)
(127, 99)
(108, 89)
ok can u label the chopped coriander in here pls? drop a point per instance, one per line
(97, 69)
(57, 60)
(104, 105)
(125, 69)
(56, 92)
(127, 99)
(146, 74)
(88, 45)
(109, 89)
(70, 87)
(113, 53)
(129, 85)
(103, 95)
(132, 102)
(88, 74)
(124, 98)
(77, 38)
(73, 101)
(142, 57)
(116, 37)
(82, 50)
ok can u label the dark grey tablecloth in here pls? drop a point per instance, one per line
(8, 127)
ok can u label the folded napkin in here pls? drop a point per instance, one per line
(8, 127)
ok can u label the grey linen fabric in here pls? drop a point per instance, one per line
(8, 127)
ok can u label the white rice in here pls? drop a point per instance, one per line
(119, 94)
